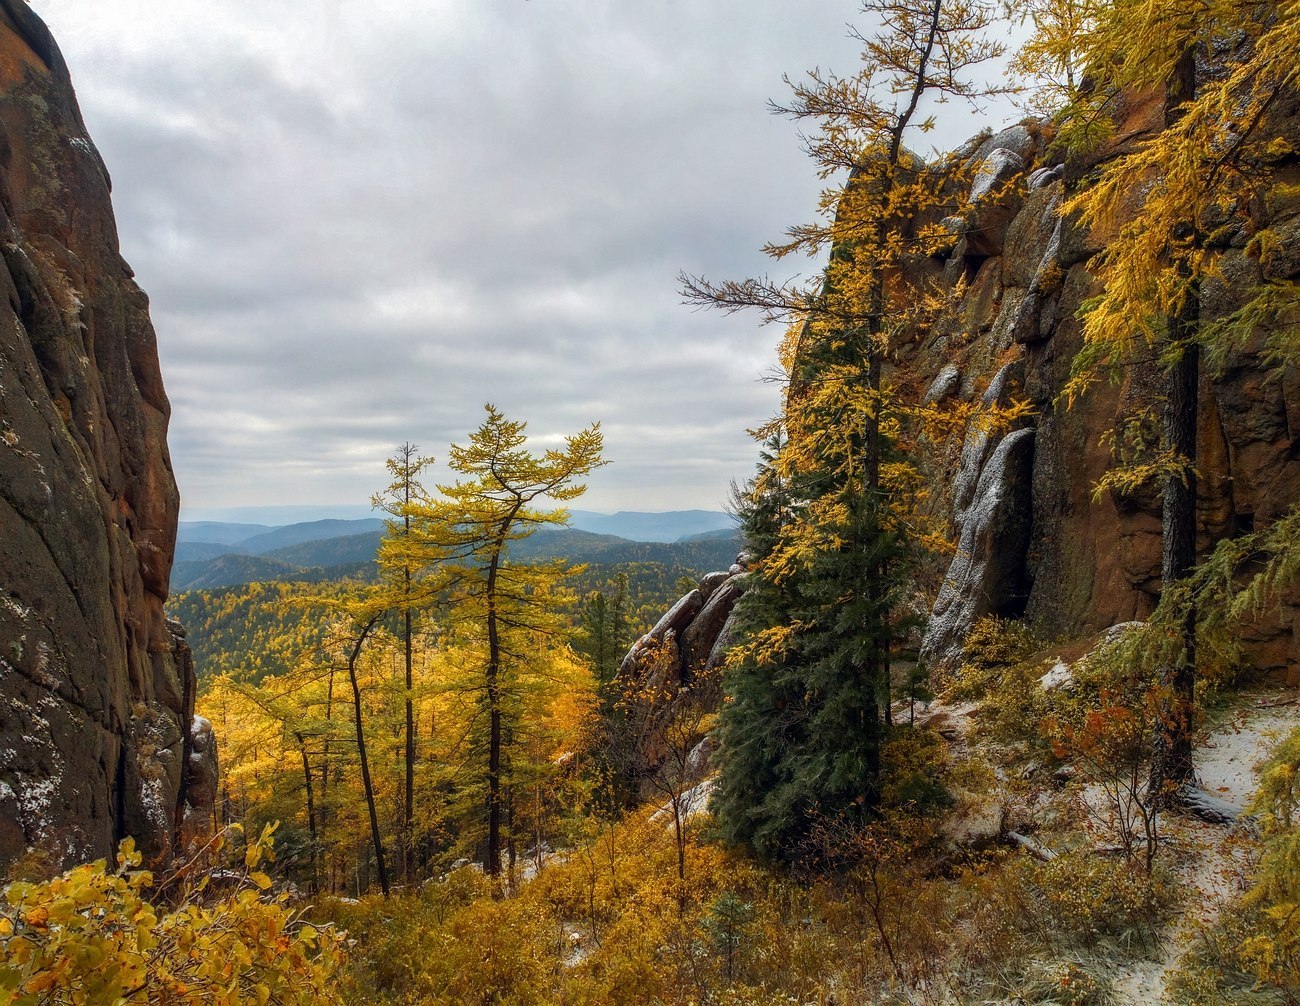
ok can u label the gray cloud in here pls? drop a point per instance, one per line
(357, 222)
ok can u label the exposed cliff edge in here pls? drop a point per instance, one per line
(96, 688)
(1031, 540)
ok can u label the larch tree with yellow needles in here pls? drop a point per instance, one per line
(1169, 209)
(405, 489)
(462, 541)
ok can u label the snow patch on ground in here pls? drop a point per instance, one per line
(1208, 859)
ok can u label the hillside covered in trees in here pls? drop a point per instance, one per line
(997, 704)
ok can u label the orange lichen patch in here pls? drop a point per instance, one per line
(16, 59)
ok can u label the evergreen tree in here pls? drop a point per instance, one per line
(802, 726)
(602, 631)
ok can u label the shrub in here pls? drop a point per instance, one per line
(92, 936)
(1088, 899)
(913, 769)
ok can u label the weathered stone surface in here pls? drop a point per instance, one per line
(1091, 563)
(995, 199)
(669, 666)
(1040, 177)
(987, 575)
(980, 443)
(702, 633)
(721, 645)
(202, 772)
(945, 384)
(96, 692)
(711, 582)
(1016, 139)
(996, 191)
(672, 624)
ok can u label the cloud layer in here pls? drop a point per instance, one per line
(358, 222)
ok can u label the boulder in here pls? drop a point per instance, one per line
(995, 196)
(699, 639)
(669, 628)
(945, 385)
(711, 582)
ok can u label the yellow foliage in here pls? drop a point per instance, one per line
(91, 936)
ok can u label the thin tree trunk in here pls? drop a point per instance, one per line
(492, 857)
(311, 814)
(365, 763)
(408, 810)
(330, 875)
(1171, 763)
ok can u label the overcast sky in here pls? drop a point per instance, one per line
(359, 221)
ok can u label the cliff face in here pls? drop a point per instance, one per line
(96, 690)
(1031, 539)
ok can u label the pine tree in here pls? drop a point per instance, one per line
(603, 628)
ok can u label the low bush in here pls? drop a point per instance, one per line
(91, 936)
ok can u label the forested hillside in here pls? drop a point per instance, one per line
(256, 628)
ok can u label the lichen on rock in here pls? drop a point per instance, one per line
(96, 690)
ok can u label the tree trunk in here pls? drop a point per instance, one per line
(408, 809)
(330, 877)
(311, 814)
(1171, 763)
(492, 857)
(375, 837)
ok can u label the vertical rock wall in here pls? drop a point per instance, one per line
(1043, 545)
(96, 691)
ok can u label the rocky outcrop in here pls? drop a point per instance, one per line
(1073, 564)
(684, 643)
(672, 668)
(96, 691)
(987, 575)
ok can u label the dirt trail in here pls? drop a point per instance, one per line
(1206, 858)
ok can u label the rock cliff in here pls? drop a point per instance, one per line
(1031, 540)
(96, 688)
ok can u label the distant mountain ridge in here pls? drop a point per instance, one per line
(213, 554)
(634, 525)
